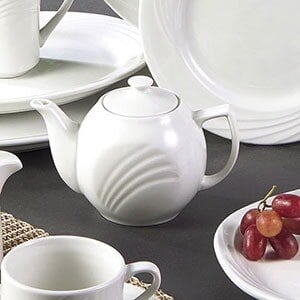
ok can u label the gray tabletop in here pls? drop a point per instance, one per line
(183, 248)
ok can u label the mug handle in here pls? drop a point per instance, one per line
(201, 117)
(50, 26)
(145, 267)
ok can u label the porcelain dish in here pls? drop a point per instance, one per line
(130, 292)
(234, 53)
(86, 53)
(127, 9)
(146, 177)
(268, 279)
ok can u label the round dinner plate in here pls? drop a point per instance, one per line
(268, 279)
(243, 53)
(127, 9)
(132, 292)
(86, 53)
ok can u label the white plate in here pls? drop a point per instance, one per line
(268, 279)
(131, 292)
(26, 131)
(127, 9)
(86, 53)
(246, 54)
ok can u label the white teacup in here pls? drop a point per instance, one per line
(69, 268)
(20, 34)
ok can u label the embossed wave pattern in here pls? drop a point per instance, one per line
(285, 133)
(141, 168)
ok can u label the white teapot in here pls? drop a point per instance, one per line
(139, 155)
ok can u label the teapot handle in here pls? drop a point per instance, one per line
(200, 117)
(50, 26)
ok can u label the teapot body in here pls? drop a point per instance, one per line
(139, 155)
(140, 171)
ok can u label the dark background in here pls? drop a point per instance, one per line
(183, 248)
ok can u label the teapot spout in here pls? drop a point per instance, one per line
(9, 164)
(63, 133)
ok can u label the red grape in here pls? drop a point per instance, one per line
(248, 219)
(285, 244)
(254, 244)
(287, 205)
(269, 223)
(292, 225)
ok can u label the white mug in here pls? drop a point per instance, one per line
(20, 35)
(69, 268)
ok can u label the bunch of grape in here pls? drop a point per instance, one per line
(275, 223)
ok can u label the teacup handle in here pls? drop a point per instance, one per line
(204, 115)
(50, 26)
(145, 267)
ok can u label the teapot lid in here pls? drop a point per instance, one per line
(141, 99)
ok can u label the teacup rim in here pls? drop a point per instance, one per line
(68, 292)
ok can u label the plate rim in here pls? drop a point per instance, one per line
(149, 10)
(227, 267)
(137, 288)
(125, 285)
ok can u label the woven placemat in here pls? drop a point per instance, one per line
(16, 232)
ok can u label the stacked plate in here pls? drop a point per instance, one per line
(85, 54)
(243, 53)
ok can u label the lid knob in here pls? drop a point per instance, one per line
(140, 99)
(140, 82)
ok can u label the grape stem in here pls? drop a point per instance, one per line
(263, 203)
